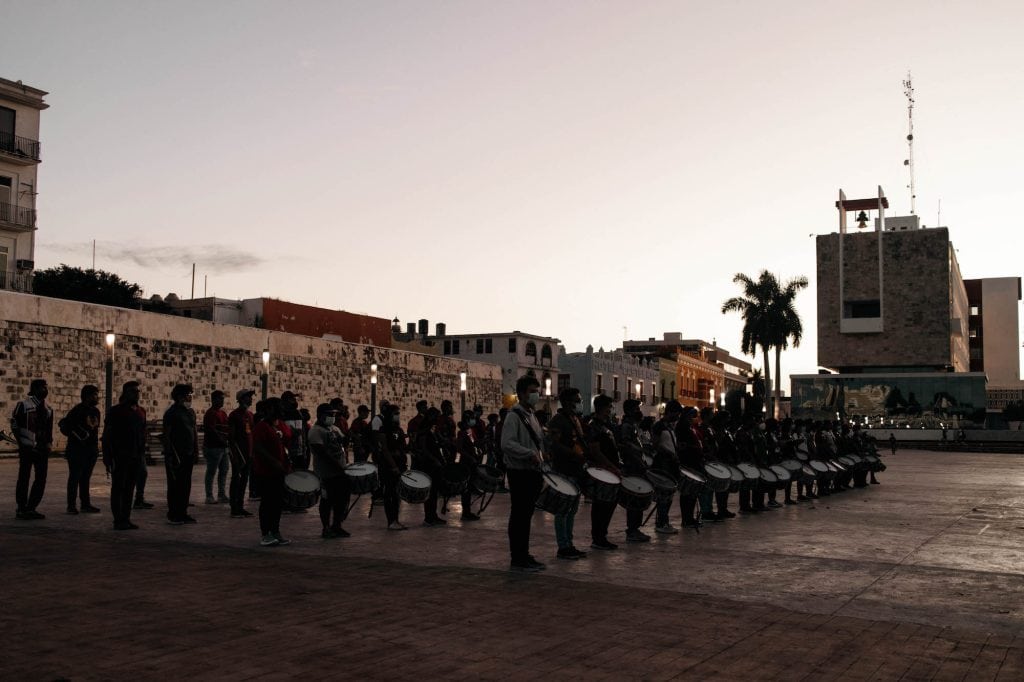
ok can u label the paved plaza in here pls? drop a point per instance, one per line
(921, 577)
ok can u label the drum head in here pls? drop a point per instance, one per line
(717, 470)
(416, 479)
(692, 475)
(781, 472)
(808, 471)
(790, 465)
(637, 485)
(768, 475)
(302, 481)
(561, 484)
(737, 475)
(749, 470)
(818, 466)
(603, 475)
(361, 469)
(662, 481)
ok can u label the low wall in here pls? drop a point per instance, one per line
(62, 342)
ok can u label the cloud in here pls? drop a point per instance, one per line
(213, 258)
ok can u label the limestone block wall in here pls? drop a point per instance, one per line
(62, 341)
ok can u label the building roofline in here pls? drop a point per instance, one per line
(16, 91)
(435, 337)
(886, 375)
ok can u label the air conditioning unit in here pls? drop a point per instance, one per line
(25, 264)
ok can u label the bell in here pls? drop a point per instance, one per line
(862, 220)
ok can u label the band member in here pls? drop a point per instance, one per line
(32, 426)
(298, 447)
(631, 451)
(359, 434)
(181, 453)
(270, 464)
(708, 438)
(341, 416)
(215, 448)
(773, 453)
(666, 458)
(240, 428)
(390, 458)
(469, 457)
(81, 426)
(413, 427)
(568, 457)
(447, 431)
(522, 452)
(143, 470)
(124, 450)
(429, 457)
(603, 451)
(328, 447)
(691, 455)
(725, 451)
(787, 445)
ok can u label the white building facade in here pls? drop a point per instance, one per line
(616, 373)
(519, 354)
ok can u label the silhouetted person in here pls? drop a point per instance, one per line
(32, 426)
(81, 426)
(181, 453)
(124, 453)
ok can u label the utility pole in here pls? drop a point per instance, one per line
(908, 91)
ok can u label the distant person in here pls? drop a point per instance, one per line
(81, 427)
(523, 454)
(215, 448)
(469, 457)
(390, 458)
(142, 474)
(181, 453)
(359, 434)
(124, 453)
(240, 427)
(327, 444)
(270, 465)
(892, 442)
(32, 426)
(297, 422)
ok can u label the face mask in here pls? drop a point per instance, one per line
(328, 421)
(395, 419)
(760, 427)
(532, 398)
(188, 404)
(577, 408)
(471, 422)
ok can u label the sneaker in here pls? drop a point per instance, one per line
(637, 536)
(223, 499)
(789, 502)
(89, 509)
(243, 514)
(435, 522)
(397, 526)
(692, 523)
(128, 525)
(72, 511)
(536, 564)
(269, 540)
(874, 482)
(524, 567)
(726, 514)
(578, 553)
(709, 517)
(20, 515)
(188, 519)
(281, 540)
(210, 499)
(341, 532)
(34, 515)
(604, 545)
(667, 529)
(142, 504)
(566, 553)
(175, 522)
(773, 504)
(327, 534)
(470, 516)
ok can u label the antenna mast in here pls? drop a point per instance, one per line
(908, 91)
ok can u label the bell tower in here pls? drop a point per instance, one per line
(861, 308)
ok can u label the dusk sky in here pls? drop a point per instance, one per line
(561, 168)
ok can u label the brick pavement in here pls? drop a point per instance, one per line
(84, 602)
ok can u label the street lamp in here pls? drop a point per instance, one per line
(109, 339)
(373, 389)
(711, 397)
(462, 390)
(547, 387)
(264, 378)
(637, 389)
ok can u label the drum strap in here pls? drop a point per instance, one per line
(526, 423)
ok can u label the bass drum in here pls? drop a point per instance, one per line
(737, 479)
(751, 475)
(664, 485)
(601, 484)
(414, 487)
(782, 473)
(559, 495)
(690, 481)
(719, 478)
(635, 493)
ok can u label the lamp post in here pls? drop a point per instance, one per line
(109, 340)
(547, 387)
(711, 397)
(462, 391)
(265, 377)
(373, 389)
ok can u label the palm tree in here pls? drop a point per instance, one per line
(755, 305)
(787, 326)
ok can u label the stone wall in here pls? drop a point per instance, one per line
(62, 341)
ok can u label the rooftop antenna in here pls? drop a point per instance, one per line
(908, 90)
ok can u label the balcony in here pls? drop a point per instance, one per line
(19, 148)
(16, 280)
(17, 216)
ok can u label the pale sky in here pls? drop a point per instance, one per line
(561, 168)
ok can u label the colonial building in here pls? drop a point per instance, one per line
(703, 372)
(19, 162)
(617, 374)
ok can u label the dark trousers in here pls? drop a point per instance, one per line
(140, 481)
(389, 491)
(688, 508)
(432, 469)
(271, 503)
(334, 501)
(634, 519)
(179, 487)
(523, 487)
(239, 479)
(123, 475)
(28, 460)
(600, 517)
(722, 501)
(745, 499)
(80, 466)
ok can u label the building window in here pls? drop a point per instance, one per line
(531, 350)
(488, 346)
(447, 347)
(662, 390)
(975, 310)
(615, 384)
(654, 391)
(455, 347)
(862, 309)
(564, 382)
(973, 333)
(545, 354)
(479, 346)
(600, 384)
(512, 345)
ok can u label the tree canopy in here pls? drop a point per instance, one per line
(88, 286)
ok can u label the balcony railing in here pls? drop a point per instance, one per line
(17, 215)
(16, 280)
(19, 146)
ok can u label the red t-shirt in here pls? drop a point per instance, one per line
(267, 438)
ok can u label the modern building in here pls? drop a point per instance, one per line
(19, 164)
(616, 373)
(701, 368)
(994, 337)
(892, 323)
(519, 354)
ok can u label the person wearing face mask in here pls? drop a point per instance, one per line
(390, 458)
(691, 455)
(469, 457)
(666, 459)
(124, 451)
(81, 426)
(328, 447)
(181, 453)
(413, 426)
(630, 446)
(523, 453)
(270, 465)
(429, 457)
(569, 449)
(603, 451)
(32, 426)
(447, 431)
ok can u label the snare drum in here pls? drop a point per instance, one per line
(301, 489)
(751, 475)
(846, 461)
(737, 479)
(488, 479)
(719, 478)
(454, 480)
(807, 474)
(690, 481)
(601, 485)
(664, 485)
(782, 473)
(793, 466)
(635, 493)
(838, 465)
(821, 470)
(801, 452)
(559, 495)
(767, 480)
(362, 478)
(859, 463)
(414, 487)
